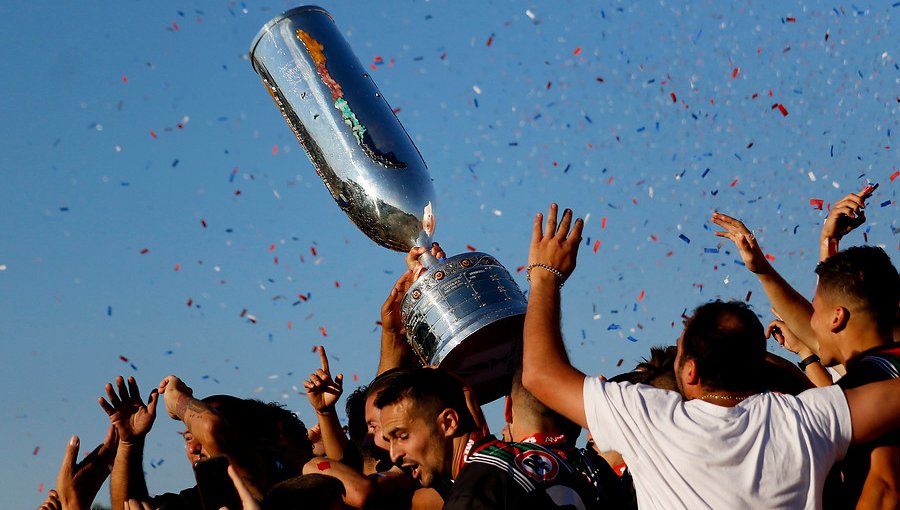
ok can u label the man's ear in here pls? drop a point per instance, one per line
(689, 373)
(839, 319)
(448, 422)
(507, 410)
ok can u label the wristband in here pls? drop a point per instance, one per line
(807, 361)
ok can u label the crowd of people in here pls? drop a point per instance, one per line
(714, 421)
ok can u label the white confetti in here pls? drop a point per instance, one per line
(477, 89)
(812, 176)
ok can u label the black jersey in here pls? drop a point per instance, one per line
(500, 475)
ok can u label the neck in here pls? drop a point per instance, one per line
(459, 452)
(853, 342)
(725, 398)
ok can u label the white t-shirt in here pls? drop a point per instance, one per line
(770, 451)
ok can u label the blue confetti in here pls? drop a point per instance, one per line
(109, 311)
(710, 250)
(613, 327)
(704, 173)
(633, 339)
(684, 238)
(886, 203)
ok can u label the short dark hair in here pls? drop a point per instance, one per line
(356, 414)
(727, 343)
(865, 275)
(306, 492)
(657, 370)
(431, 390)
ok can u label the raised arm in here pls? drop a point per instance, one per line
(323, 392)
(810, 364)
(792, 306)
(132, 420)
(546, 371)
(395, 350)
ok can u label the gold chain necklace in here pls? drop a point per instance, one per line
(715, 396)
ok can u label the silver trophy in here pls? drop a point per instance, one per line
(464, 313)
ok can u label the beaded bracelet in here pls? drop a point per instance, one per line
(559, 274)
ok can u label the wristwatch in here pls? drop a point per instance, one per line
(807, 361)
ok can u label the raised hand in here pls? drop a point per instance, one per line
(746, 243)
(786, 338)
(127, 412)
(412, 258)
(78, 482)
(391, 322)
(321, 390)
(178, 396)
(555, 247)
(52, 502)
(846, 214)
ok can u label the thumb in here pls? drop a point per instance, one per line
(70, 457)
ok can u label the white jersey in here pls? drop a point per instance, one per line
(769, 451)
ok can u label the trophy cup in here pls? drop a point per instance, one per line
(465, 313)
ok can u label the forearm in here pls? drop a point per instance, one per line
(792, 306)
(206, 425)
(546, 371)
(395, 353)
(819, 375)
(828, 246)
(332, 434)
(127, 479)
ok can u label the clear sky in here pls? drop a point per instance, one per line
(154, 200)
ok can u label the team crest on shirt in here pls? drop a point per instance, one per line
(538, 465)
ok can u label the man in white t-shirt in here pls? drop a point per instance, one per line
(722, 445)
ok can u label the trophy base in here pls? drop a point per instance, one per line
(466, 315)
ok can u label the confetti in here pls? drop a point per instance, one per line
(684, 238)
(817, 202)
(641, 296)
(324, 331)
(596, 245)
(470, 247)
(736, 72)
(577, 51)
(36, 450)
(145, 251)
(886, 203)
(781, 108)
(770, 257)
(895, 175)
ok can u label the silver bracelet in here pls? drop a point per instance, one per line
(559, 274)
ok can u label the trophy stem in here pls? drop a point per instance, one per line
(428, 260)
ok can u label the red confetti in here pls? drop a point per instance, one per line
(275, 150)
(791, 19)
(755, 95)
(736, 72)
(520, 268)
(337, 284)
(621, 360)
(749, 293)
(549, 84)
(324, 331)
(36, 450)
(641, 296)
(175, 26)
(603, 223)
(190, 302)
(302, 297)
(237, 193)
(276, 260)
(355, 377)
(600, 79)
(596, 245)
(770, 257)
(818, 202)
(271, 247)
(177, 267)
(243, 312)
(396, 110)
(323, 466)
(674, 99)
(895, 175)
(123, 358)
(780, 107)
(312, 250)
(290, 325)
(203, 222)
(124, 79)
(734, 182)
(470, 247)
(490, 41)
(153, 134)
(145, 251)
(41, 487)
(653, 237)
(577, 51)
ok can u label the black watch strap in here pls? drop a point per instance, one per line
(807, 361)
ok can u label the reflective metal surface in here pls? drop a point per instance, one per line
(466, 314)
(358, 147)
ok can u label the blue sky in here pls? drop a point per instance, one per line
(154, 199)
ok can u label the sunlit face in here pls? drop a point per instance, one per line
(820, 323)
(416, 442)
(193, 448)
(373, 424)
